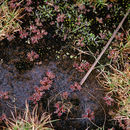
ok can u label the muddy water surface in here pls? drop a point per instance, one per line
(21, 86)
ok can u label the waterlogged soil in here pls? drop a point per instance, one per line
(19, 77)
(20, 86)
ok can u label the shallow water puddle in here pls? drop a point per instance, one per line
(21, 86)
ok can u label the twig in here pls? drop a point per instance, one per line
(101, 107)
(104, 49)
(82, 118)
(80, 51)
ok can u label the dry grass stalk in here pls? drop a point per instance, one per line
(30, 120)
(9, 19)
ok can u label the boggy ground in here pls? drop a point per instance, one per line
(19, 76)
(19, 79)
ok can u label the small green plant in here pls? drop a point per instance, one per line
(69, 20)
(9, 19)
(99, 2)
(30, 121)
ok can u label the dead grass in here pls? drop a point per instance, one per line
(30, 120)
(9, 19)
(117, 82)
